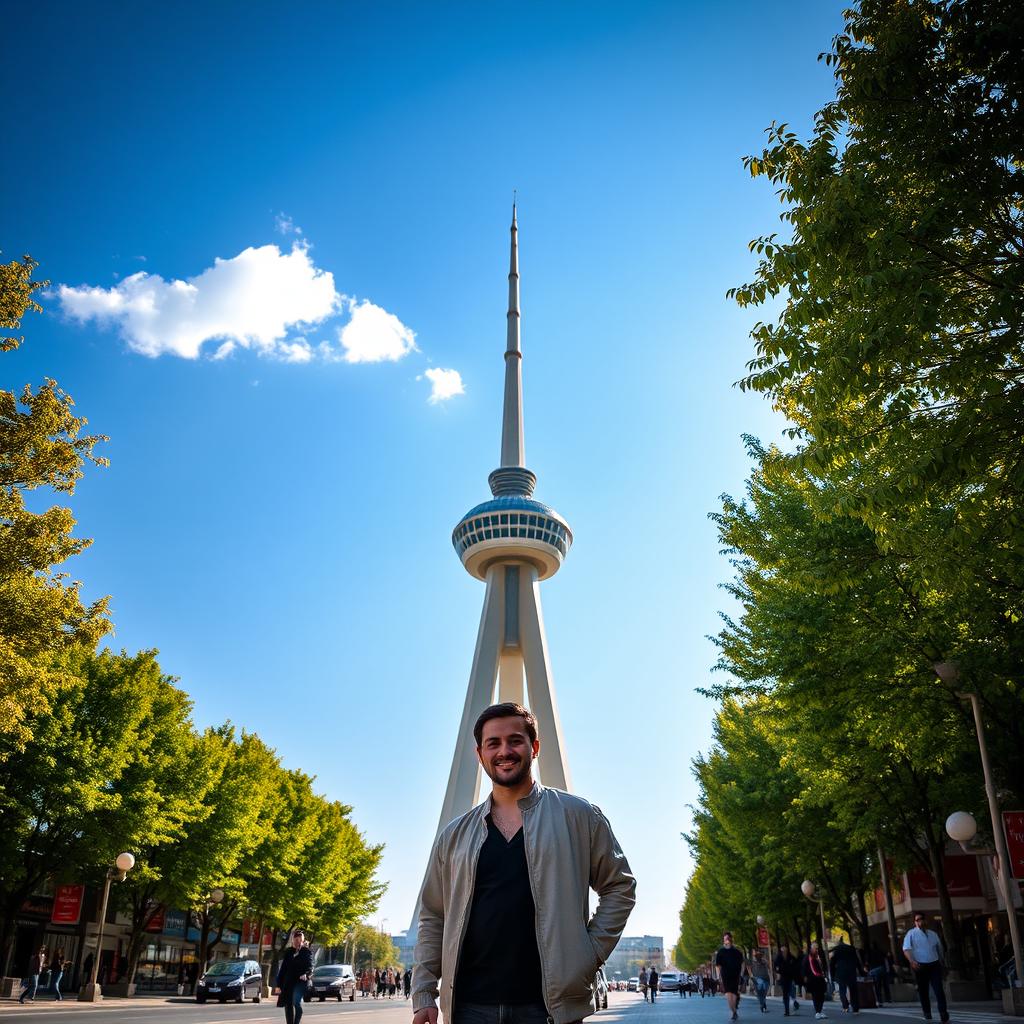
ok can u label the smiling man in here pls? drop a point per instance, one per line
(505, 932)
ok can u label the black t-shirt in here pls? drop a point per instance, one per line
(730, 961)
(499, 962)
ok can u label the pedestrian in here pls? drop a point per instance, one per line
(786, 970)
(643, 983)
(815, 978)
(506, 890)
(846, 967)
(923, 949)
(406, 983)
(293, 976)
(684, 985)
(57, 968)
(36, 965)
(762, 979)
(652, 981)
(729, 961)
(878, 971)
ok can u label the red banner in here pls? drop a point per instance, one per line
(763, 938)
(1013, 826)
(67, 904)
(961, 878)
(156, 923)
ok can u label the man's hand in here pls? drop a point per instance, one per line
(428, 1015)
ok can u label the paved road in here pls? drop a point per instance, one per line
(623, 1008)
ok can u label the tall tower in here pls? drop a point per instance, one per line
(511, 542)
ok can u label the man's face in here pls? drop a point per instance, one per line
(297, 938)
(506, 752)
(727, 940)
(920, 920)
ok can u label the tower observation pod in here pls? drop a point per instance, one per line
(511, 542)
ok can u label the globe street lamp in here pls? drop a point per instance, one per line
(91, 991)
(808, 889)
(964, 823)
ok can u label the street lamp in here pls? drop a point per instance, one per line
(807, 888)
(964, 823)
(91, 991)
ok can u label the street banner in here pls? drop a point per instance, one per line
(1013, 826)
(67, 904)
(763, 938)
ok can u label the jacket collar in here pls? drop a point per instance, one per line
(530, 800)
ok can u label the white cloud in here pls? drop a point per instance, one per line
(249, 301)
(284, 225)
(444, 384)
(373, 335)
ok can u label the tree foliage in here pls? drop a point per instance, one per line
(41, 446)
(889, 536)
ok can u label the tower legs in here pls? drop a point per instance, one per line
(511, 655)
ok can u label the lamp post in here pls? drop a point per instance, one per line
(962, 828)
(91, 992)
(949, 673)
(808, 889)
(215, 898)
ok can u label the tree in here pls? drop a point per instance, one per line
(372, 948)
(41, 611)
(86, 784)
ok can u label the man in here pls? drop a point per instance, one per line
(923, 949)
(652, 981)
(292, 975)
(503, 929)
(729, 961)
(846, 967)
(35, 967)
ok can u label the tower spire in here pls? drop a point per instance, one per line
(512, 477)
(512, 441)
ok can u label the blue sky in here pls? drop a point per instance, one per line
(276, 517)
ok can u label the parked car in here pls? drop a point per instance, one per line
(601, 989)
(668, 981)
(633, 985)
(231, 979)
(335, 980)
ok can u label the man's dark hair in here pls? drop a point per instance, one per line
(507, 710)
(726, 935)
(298, 931)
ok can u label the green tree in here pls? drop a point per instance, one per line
(41, 446)
(86, 785)
(372, 948)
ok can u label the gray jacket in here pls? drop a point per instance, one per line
(570, 849)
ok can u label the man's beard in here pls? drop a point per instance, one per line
(510, 781)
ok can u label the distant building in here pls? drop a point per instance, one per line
(634, 952)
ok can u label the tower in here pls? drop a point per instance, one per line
(511, 542)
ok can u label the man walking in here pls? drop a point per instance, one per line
(846, 968)
(292, 975)
(503, 931)
(35, 967)
(652, 981)
(923, 949)
(729, 961)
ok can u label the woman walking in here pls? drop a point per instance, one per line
(56, 973)
(292, 977)
(815, 979)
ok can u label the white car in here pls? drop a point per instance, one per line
(669, 981)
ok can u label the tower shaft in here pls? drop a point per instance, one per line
(513, 444)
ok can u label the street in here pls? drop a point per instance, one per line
(623, 1008)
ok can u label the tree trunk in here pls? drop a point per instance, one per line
(950, 935)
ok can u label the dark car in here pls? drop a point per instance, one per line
(231, 979)
(335, 980)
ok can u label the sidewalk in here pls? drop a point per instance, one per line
(988, 1011)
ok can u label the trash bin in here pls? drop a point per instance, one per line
(866, 992)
